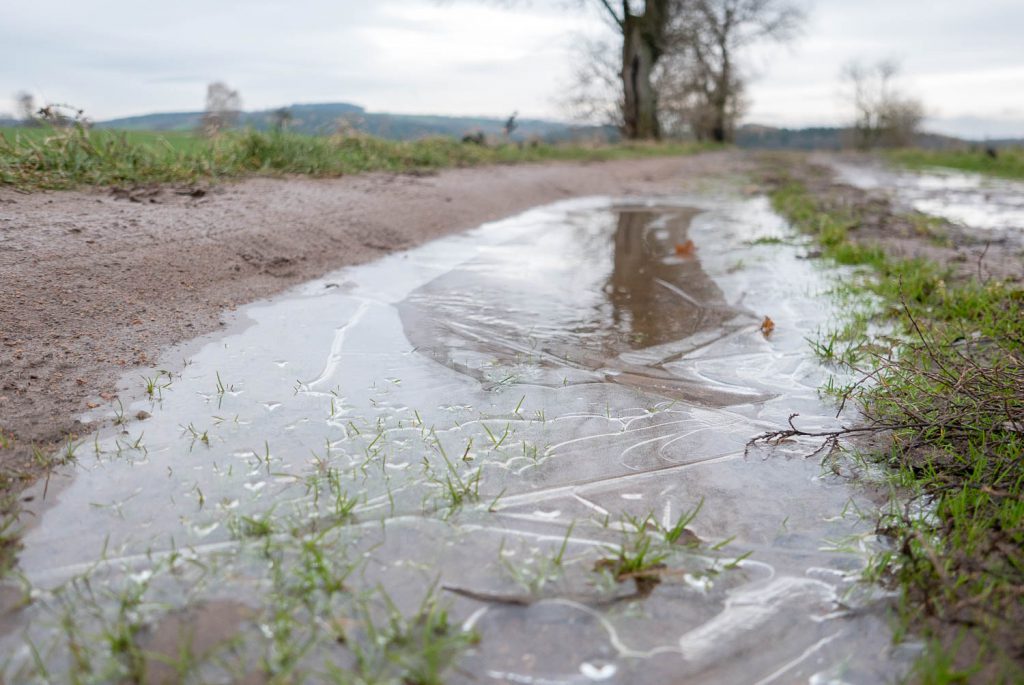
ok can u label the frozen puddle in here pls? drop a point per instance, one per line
(993, 207)
(476, 425)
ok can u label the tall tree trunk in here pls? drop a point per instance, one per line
(642, 37)
(721, 129)
(641, 101)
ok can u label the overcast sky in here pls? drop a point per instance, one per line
(121, 57)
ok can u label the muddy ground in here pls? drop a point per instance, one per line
(97, 282)
(902, 231)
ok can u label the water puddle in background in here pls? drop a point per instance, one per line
(993, 206)
(481, 420)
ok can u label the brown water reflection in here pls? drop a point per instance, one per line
(659, 295)
(580, 300)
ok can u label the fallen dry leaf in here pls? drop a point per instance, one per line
(91, 405)
(685, 249)
(767, 326)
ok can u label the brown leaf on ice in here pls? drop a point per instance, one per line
(767, 326)
(685, 249)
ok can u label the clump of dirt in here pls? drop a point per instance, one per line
(156, 193)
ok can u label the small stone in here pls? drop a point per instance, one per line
(143, 415)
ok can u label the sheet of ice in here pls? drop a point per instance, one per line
(455, 418)
(992, 206)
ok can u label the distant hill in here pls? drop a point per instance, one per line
(329, 117)
(1002, 142)
(165, 121)
(326, 118)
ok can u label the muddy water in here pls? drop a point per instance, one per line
(992, 207)
(484, 424)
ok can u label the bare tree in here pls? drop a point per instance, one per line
(883, 116)
(594, 95)
(698, 87)
(687, 99)
(27, 110)
(900, 121)
(223, 108)
(642, 25)
(703, 38)
(708, 36)
(643, 44)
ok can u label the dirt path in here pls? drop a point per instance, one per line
(97, 282)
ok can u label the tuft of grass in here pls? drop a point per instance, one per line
(1008, 162)
(55, 158)
(155, 385)
(768, 240)
(10, 534)
(640, 556)
(252, 526)
(415, 650)
(679, 533)
(457, 489)
(203, 436)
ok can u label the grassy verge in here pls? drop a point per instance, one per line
(1009, 163)
(65, 158)
(945, 387)
(10, 534)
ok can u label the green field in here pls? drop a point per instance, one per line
(1008, 164)
(66, 158)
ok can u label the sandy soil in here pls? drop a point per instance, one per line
(96, 282)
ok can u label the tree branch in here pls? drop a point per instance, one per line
(620, 21)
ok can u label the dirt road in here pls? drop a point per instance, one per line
(96, 282)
